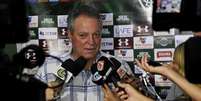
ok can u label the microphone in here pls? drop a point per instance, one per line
(27, 62)
(21, 70)
(101, 71)
(30, 57)
(154, 63)
(124, 76)
(110, 70)
(66, 71)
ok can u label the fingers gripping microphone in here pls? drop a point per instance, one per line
(131, 79)
(124, 76)
(110, 70)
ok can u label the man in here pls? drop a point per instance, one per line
(85, 27)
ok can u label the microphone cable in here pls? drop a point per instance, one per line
(149, 86)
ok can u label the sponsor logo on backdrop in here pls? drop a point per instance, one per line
(49, 45)
(107, 31)
(62, 33)
(43, 43)
(123, 42)
(123, 18)
(107, 44)
(164, 42)
(33, 33)
(162, 81)
(64, 46)
(123, 31)
(145, 3)
(107, 18)
(139, 53)
(164, 54)
(143, 29)
(48, 21)
(125, 54)
(33, 21)
(181, 38)
(162, 33)
(62, 20)
(47, 33)
(143, 42)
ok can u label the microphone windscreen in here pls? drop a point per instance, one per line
(30, 56)
(115, 62)
(79, 65)
(75, 67)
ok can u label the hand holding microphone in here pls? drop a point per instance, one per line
(110, 70)
(64, 74)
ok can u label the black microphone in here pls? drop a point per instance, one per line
(21, 71)
(110, 70)
(30, 57)
(154, 63)
(27, 62)
(101, 71)
(66, 71)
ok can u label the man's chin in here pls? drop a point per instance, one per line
(89, 56)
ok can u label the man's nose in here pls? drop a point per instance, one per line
(91, 39)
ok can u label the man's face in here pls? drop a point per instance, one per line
(86, 38)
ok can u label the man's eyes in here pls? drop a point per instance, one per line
(86, 34)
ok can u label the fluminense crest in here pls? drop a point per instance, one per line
(145, 3)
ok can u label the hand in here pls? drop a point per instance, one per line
(131, 94)
(108, 94)
(49, 94)
(148, 68)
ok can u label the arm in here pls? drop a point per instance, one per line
(192, 90)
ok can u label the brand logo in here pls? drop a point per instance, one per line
(164, 54)
(141, 54)
(123, 18)
(47, 21)
(61, 73)
(123, 31)
(121, 72)
(48, 33)
(62, 20)
(100, 65)
(33, 21)
(142, 40)
(141, 29)
(96, 76)
(145, 3)
(123, 42)
(107, 18)
(105, 31)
